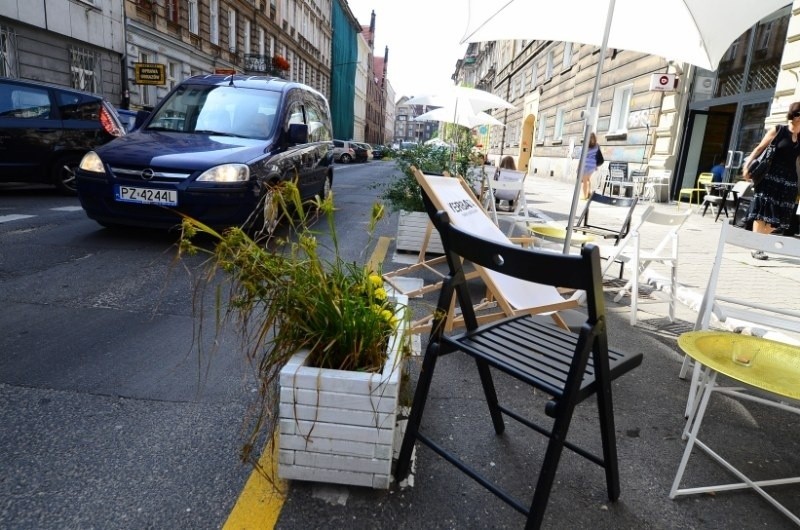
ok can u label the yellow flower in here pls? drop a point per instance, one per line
(380, 294)
(375, 280)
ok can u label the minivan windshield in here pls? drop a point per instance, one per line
(218, 110)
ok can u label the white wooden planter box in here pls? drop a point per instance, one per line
(338, 426)
(411, 228)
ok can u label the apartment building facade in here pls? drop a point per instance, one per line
(74, 43)
(683, 128)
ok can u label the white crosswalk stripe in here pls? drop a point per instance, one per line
(13, 217)
(67, 209)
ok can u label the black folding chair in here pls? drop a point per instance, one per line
(569, 367)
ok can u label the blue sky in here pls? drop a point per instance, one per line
(422, 36)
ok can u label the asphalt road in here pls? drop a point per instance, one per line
(111, 417)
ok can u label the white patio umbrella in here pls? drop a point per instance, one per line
(693, 31)
(456, 97)
(462, 116)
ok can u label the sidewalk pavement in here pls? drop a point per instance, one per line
(648, 404)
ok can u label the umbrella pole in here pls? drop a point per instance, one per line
(589, 125)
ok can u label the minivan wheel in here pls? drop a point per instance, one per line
(345, 159)
(63, 173)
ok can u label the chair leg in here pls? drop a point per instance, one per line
(491, 396)
(418, 405)
(547, 473)
(694, 420)
(705, 209)
(605, 409)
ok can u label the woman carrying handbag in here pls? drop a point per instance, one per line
(774, 195)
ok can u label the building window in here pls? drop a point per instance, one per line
(213, 12)
(172, 11)
(8, 52)
(146, 97)
(194, 18)
(541, 127)
(764, 34)
(620, 109)
(232, 33)
(558, 128)
(567, 60)
(173, 73)
(534, 76)
(548, 74)
(246, 36)
(82, 65)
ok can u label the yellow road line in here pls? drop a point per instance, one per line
(261, 500)
(259, 505)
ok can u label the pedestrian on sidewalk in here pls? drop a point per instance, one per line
(775, 195)
(594, 159)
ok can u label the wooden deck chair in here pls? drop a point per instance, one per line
(435, 265)
(720, 309)
(423, 265)
(509, 296)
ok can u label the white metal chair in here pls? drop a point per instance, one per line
(772, 378)
(509, 186)
(664, 228)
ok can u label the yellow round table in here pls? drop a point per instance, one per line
(760, 363)
(558, 234)
(776, 367)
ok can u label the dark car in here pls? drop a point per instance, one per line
(378, 151)
(213, 149)
(46, 129)
(361, 150)
(127, 118)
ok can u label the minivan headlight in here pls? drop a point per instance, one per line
(91, 162)
(226, 173)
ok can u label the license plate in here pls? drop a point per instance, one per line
(146, 196)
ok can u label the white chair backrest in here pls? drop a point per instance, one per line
(672, 220)
(733, 311)
(740, 188)
(508, 184)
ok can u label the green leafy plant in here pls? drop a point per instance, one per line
(285, 296)
(403, 191)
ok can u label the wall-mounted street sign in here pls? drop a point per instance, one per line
(150, 74)
(663, 82)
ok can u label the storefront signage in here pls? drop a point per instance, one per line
(663, 82)
(150, 74)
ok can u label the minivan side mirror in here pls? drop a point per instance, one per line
(298, 133)
(140, 117)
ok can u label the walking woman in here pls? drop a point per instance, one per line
(774, 197)
(590, 165)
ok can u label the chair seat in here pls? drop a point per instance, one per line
(536, 353)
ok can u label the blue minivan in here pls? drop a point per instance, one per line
(213, 149)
